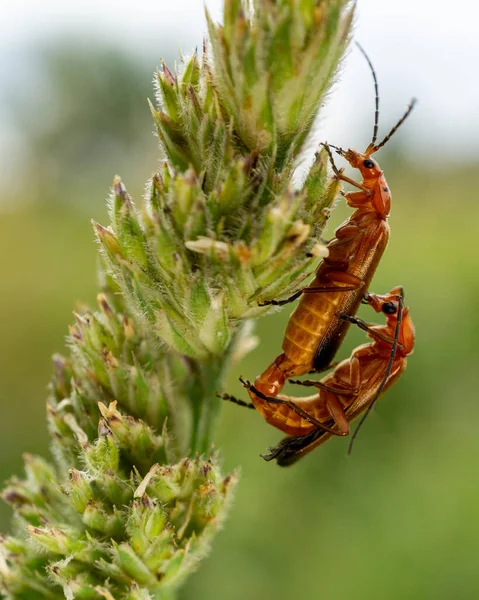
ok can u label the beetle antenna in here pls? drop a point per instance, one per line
(376, 93)
(386, 375)
(372, 148)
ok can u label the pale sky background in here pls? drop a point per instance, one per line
(423, 48)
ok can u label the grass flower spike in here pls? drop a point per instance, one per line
(134, 492)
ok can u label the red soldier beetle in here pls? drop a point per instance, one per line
(350, 390)
(317, 326)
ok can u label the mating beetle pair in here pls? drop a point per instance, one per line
(325, 311)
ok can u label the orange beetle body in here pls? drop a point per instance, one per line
(314, 331)
(325, 311)
(357, 383)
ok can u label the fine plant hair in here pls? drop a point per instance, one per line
(133, 493)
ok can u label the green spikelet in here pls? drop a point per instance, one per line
(134, 493)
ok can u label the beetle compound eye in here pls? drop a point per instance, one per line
(369, 164)
(389, 308)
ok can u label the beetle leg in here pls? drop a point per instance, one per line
(357, 199)
(291, 298)
(336, 411)
(342, 282)
(323, 386)
(361, 187)
(329, 288)
(368, 328)
(294, 407)
(236, 400)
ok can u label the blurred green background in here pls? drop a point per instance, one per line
(398, 519)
